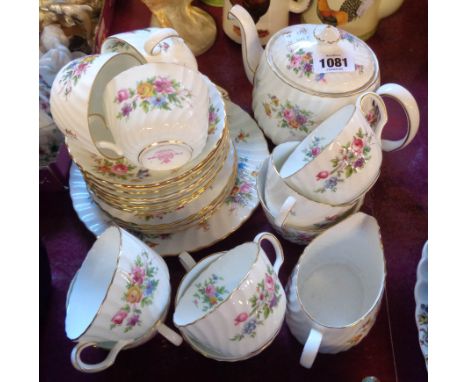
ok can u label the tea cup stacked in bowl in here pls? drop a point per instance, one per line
(306, 187)
(149, 134)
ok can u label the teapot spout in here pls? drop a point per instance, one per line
(251, 48)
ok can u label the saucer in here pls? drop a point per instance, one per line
(421, 297)
(252, 149)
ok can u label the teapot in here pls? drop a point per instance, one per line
(306, 73)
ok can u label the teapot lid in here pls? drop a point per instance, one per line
(322, 59)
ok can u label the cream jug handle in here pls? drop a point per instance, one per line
(298, 6)
(156, 38)
(311, 348)
(89, 368)
(187, 261)
(285, 210)
(276, 245)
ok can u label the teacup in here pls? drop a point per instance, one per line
(236, 305)
(290, 207)
(341, 158)
(152, 45)
(77, 93)
(118, 299)
(335, 290)
(158, 115)
(294, 234)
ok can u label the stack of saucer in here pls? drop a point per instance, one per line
(151, 139)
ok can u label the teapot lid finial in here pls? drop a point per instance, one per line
(327, 34)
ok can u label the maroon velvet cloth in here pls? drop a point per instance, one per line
(398, 201)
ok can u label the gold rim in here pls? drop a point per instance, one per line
(110, 283)
(228, 297)
(364, 316)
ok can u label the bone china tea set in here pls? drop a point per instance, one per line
(159, 150)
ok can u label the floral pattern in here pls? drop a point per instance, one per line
(314, 149)
(117, 46)
(242, 137)
(300, 62)
(157, 92)
(244, 187)
(262, 304)
(74, 71)
(141, 285)
(119, 169)
(373, 115)
(213, 119)
(363, 330)
(208, 293)
(288, 116)
(352, 158)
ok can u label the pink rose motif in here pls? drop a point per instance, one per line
(122, 95)
(316, 151)
(269, 283)
(210, 290)
(138, 275)
(164, 156)
(322, 175)
(163, 85)
(241, 318)
(81, 68)
(119, 169)
(295, 60)
(119, 317)
(244, 188)
(358, 144)
(261, 297)
(288, 115)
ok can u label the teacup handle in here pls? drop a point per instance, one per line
(94, 368)
(285, 210)
(311, 348)
(156, 38)
(410, 106)
(276, 245)
(170, 334)
(99, 119)
(187, 261)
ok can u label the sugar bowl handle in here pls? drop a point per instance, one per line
(276, 245)
(94, 368)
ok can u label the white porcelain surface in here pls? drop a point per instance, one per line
(274, 17)
(158, 115)
(361, 19)
(77, 93)
(334, 293)
(341, 159)
(290, 207)
(220, 182)
(119, 293)
(422, 302)
(122, 172)
(289, 99)
(152, 45)
(296, 235)
(251, 149)
(237, 304)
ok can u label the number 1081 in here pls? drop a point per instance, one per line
(336, 62)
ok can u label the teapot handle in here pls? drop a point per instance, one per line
(410, 106)
(156, 38)
(298, 6)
